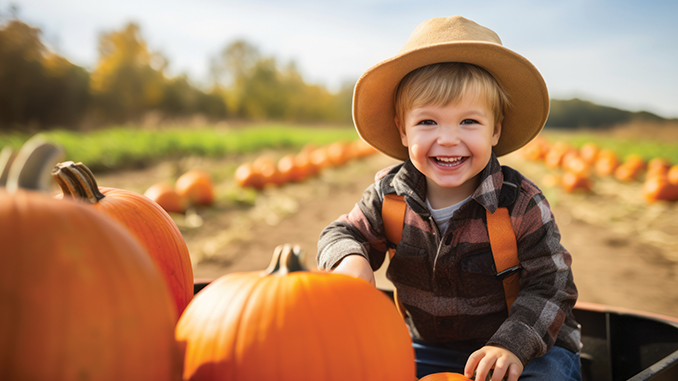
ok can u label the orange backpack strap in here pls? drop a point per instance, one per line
(393, 216)
(505, 252)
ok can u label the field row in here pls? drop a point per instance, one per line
(576, 168)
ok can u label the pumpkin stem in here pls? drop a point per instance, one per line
(29, 168)
(286, 259)
(77, 181)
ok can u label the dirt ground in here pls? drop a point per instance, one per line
(625, 252)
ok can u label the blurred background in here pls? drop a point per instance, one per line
(257, 95)
(79, 64)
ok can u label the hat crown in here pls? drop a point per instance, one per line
(448, 29)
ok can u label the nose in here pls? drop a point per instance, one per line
(448, 136)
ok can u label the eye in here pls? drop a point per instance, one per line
(427, 122)
(469, 121)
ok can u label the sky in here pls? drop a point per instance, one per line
(617, 53)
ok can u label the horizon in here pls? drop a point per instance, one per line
(615, 54)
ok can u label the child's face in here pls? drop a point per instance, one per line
(450, 144)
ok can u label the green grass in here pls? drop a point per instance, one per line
(119, 147)
(647, 148)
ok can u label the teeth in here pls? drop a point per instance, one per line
(449, 159)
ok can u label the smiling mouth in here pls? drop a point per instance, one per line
(450, 161)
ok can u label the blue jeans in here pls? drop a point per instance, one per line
(557, 364)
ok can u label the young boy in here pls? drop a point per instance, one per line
(450, 102)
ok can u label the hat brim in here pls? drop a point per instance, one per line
(373, 98)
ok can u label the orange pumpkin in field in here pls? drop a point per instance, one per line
(631, 169)
(606, 163)
(672, 175)
(446, 376)
(287, 166)
(302, 161)
(147, 221)
(572, 182)
(246, 176)
(337, 153)
(319, 158)
(361, 148)
(535, 150)
(167, 197)
(658, 167)
(658, 188)
(573, 163)
(554, 158)
(287, 323)
(196, 187)
(589, 152)
(268, 170)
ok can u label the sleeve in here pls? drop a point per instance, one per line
(359, 232)
(547, 293)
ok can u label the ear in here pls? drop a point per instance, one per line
(401, 130)
(496, 135)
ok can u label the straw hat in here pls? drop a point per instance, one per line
(451, 39)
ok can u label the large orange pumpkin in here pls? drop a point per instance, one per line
(154, 228)
(80, 299)
(446, 376)
(289, 324)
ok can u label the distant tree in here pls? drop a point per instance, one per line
(576, 113)
(256, 87)
(37, 87)
(235, 62)
(181, 98)
(128, 79)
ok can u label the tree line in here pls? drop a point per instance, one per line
(577, 113)
(40, 89)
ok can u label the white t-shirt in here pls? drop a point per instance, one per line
(442, 216)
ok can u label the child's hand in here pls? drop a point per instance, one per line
(500, 361)
(357, 267)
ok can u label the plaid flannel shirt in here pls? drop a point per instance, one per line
(448, 283)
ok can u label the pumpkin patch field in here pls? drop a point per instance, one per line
(624, 245)
(625, 249)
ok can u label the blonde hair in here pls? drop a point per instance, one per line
(444, 83)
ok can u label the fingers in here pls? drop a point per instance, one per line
(514, 372)
(472, 363)
(493, 364)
